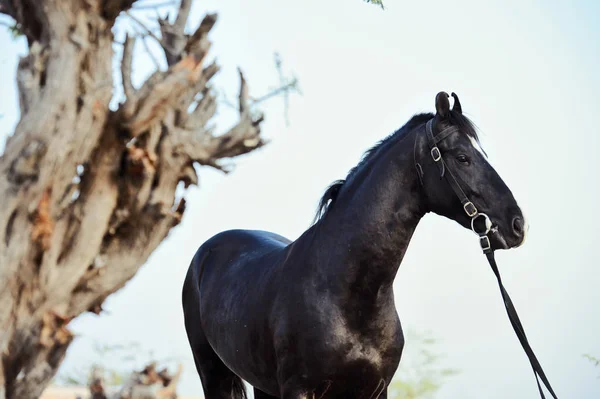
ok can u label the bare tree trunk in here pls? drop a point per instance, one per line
(88, 193)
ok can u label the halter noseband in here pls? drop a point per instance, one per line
(468, 206)
(484, 241)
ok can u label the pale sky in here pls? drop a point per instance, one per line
(526, 73)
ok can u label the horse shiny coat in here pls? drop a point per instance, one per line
(315, 317)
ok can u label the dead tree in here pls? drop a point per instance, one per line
(88, 192)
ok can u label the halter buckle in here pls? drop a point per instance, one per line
(470, 209)
(484, 242)
(436, 154)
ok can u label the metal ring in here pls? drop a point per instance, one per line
(488, 224)
(437, 155)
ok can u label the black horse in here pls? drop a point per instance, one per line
(315, 318)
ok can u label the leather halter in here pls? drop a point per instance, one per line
(484, 241)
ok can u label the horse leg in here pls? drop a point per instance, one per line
(218, 381)
(258, 394)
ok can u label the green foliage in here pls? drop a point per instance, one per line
(13, 27)
(15, 31)
(419, 376)
(376, 2)
(593, 359)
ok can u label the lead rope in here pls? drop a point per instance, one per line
(484, 242)
(486, 247)
(519, 330)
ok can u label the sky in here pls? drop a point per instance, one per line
(526, 73)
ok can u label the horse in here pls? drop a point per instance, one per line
(315, 317)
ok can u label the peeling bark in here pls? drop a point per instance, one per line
(65, 244)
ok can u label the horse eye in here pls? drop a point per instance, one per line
(463, 159)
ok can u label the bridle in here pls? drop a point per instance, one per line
(484, 241)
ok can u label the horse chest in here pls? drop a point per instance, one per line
(358, 363)
(337, 351)
(371, 346)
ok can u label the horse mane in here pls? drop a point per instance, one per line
(457, 119)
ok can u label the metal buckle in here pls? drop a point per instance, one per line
(469, 205)
(436, 154)
(488, 224)
(484, 241)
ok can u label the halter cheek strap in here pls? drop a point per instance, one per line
(484, 242)
(436, 155)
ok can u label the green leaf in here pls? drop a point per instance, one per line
(376, 2)
(592, 359)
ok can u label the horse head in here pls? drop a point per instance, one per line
(471, 192)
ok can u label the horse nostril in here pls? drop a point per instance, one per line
(518, 226)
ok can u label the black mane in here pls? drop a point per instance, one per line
(457, 119)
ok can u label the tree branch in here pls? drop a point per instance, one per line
(149, 52)
(200, 33)
(144, 27)
(173, 35)
(126, 65)
(202, 113)
(206, 149)
(287, 87)
(182, 16)
(123, 254)
(163, 95)
(243, 97)
(164, 90)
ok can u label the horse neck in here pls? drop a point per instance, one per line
(374, 217)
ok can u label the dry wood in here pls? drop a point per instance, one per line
(65, 244)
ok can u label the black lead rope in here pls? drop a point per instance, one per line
(519, 330)
(484, 242)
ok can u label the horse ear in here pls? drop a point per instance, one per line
(442, 104)
(456, 107)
